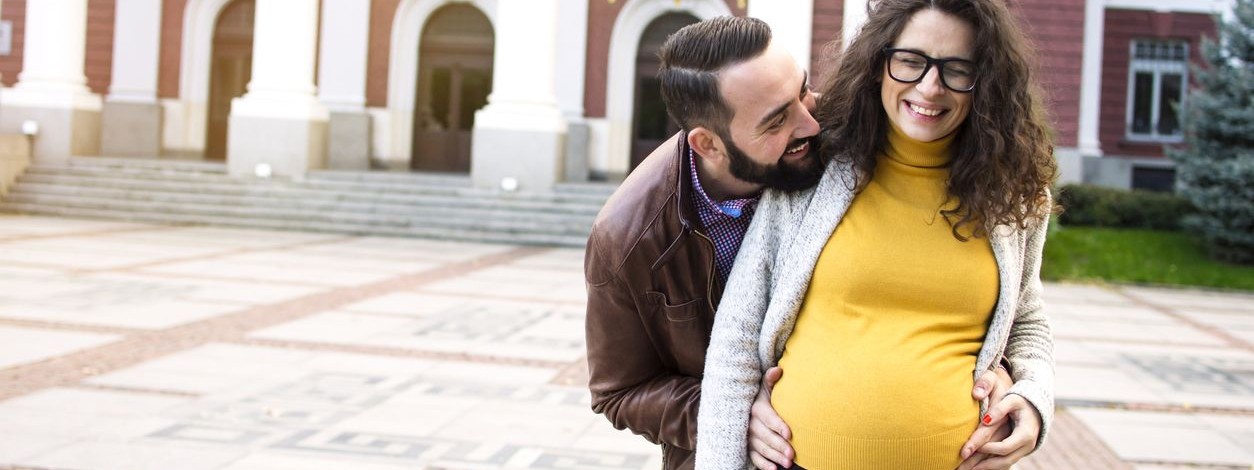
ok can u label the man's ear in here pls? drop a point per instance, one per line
(706, 143)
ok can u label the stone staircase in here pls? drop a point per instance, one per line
(357, 203)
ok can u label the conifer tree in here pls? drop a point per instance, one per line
(1215, 168)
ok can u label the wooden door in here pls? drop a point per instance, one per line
(231, 69)
(454, 80)
(650, 125)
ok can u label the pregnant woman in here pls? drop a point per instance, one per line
(910, 269)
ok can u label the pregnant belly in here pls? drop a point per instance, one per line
(890, 413)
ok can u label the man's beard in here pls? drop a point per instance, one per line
(782, 175)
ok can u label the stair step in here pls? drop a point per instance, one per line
(308, 226)
(427, 205)
(264, 192)
(144, 163)
(184, 182)
(473, 221)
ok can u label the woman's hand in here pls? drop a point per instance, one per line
(990, 448)
(768, 435)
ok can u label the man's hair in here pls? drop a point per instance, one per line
(693, 57)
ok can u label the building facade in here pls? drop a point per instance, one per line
(531, 91)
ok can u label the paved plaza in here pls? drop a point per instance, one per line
(145, 347)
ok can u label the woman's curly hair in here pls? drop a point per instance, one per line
(1003, 160)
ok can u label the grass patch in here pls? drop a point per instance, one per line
(1137, 256)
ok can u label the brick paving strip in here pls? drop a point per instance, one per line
(233, 327)
(1212, 330)
(1072, 445)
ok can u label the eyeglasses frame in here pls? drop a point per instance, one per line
(930, 61)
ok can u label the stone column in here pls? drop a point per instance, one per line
(279, 121)
(342, 82)
(573, 35)
(1091, 77)
(52, 89)
(521, 134)
(1088, 143)
(791, 23)
(132, 115)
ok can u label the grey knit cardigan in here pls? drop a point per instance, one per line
(770, 278)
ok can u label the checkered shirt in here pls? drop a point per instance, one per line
(725, 222)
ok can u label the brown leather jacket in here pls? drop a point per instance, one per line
(652, 293)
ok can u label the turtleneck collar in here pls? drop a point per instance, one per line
(907, 151)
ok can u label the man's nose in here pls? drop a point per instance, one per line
(809, 126)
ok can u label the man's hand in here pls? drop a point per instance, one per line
(999, 443)
(768, 435)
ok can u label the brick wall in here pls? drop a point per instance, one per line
(382, 14)
(171, 48)
(826, 29)
(1122, 27)
(98, 64)
(1056, 29)
(601, 17)
(14, 11)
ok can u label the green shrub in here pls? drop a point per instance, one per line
(1095, 206)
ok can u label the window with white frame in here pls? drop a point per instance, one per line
(1157, 81)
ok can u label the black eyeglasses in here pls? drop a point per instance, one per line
(907, 66)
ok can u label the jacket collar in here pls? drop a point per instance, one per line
(682, 170)
(680, 174)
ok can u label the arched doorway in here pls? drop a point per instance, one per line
(650, 125)
(454, 80)
(230, 71)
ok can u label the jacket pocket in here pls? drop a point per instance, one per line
(683, 311)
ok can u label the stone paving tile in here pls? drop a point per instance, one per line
(209, 369)
(65, 259)
(568, 259)
(1169, 332)
(243, 237)
(519, 329)
(1169, 437)
(93, 402)
(331, 406)
(150, 314)
(19, 446)
(324, 260)
(79, 425)
(408, 249)
(1178, 376)
(1056, 293)
(214, 291)
(18, 226)
(543, 292)
(26, 345)
(1184, 298)
(134, 456)
(282, 461)
(226, 268)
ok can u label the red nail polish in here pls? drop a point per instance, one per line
(988, 419)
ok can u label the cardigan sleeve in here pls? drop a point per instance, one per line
(733, 369)
(1030, 346)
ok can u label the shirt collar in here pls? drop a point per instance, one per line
(733, 208)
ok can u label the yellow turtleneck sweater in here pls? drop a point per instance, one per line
(878, 370)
